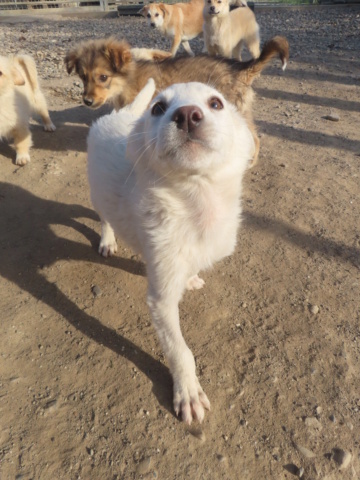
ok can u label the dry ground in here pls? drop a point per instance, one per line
(85, 391)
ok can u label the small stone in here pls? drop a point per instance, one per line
(300, 472)
(96, 290)
(341, 457)
(144, 466)
(332, 117)
(314, 309)
(221, 457)
(199, 434)
(305, 451)
(332, 418)
(313, 422)
(318, 410)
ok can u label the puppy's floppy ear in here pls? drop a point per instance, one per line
(18, 79)
(143, 11)
(71, 60)
(119, 54)
(162, 7)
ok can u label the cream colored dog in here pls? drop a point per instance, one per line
(20, 95)
(181, 21)
(226, 32)
(170, 186)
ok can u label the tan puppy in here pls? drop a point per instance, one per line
(110, 74)
(20, 95)
(181, 22)
(225, 31)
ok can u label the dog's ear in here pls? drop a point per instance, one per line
(18, 79)
(119, 54)
(162, 7)
(71, 60)
(143, 11)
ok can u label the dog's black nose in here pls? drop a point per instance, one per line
(212, 8)
(88, 101)
(153, 25)
(187, 118)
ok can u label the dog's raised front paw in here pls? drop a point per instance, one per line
(22, 159)
(195, 283)
(190, 400)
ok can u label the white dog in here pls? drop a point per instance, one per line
(20, 95)
(226, 32)
(169, 184)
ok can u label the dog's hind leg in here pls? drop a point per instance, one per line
(187, 48)
(236, 53)
(253, 44)
(41, 108)
(22, 141)
(108, 245)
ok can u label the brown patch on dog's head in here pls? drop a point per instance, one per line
(98, 63)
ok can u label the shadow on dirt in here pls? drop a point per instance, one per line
(323, 102)
(72, 128)
(26, 219)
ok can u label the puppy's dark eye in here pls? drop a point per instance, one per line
(215, 103)
(0, 74)
(103, 78)
(148, 15)
(158, 109)
(156, 14)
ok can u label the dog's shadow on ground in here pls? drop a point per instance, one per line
(26, 220)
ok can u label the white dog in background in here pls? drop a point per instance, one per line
(226, 32)
(20, 95)
(169, 184)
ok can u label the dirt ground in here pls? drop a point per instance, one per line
(85, 390)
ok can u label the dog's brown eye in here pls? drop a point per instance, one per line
(158, 109)
(103, 78)
(156, 14)
(148, 15)
(215, 103)
(0, 74)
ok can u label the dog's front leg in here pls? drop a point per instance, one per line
(175, 44)
(189, 398)
(108, 245)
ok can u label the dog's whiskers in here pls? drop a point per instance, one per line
(151, 142)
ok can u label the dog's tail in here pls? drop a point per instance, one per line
(275, 46)
(142, 100)
(28, 67)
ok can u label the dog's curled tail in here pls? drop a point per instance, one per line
(29, 68)
(275, 46)
(143, 98)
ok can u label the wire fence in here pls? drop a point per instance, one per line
(68, 6)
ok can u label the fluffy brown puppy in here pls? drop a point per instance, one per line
(111, 74)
